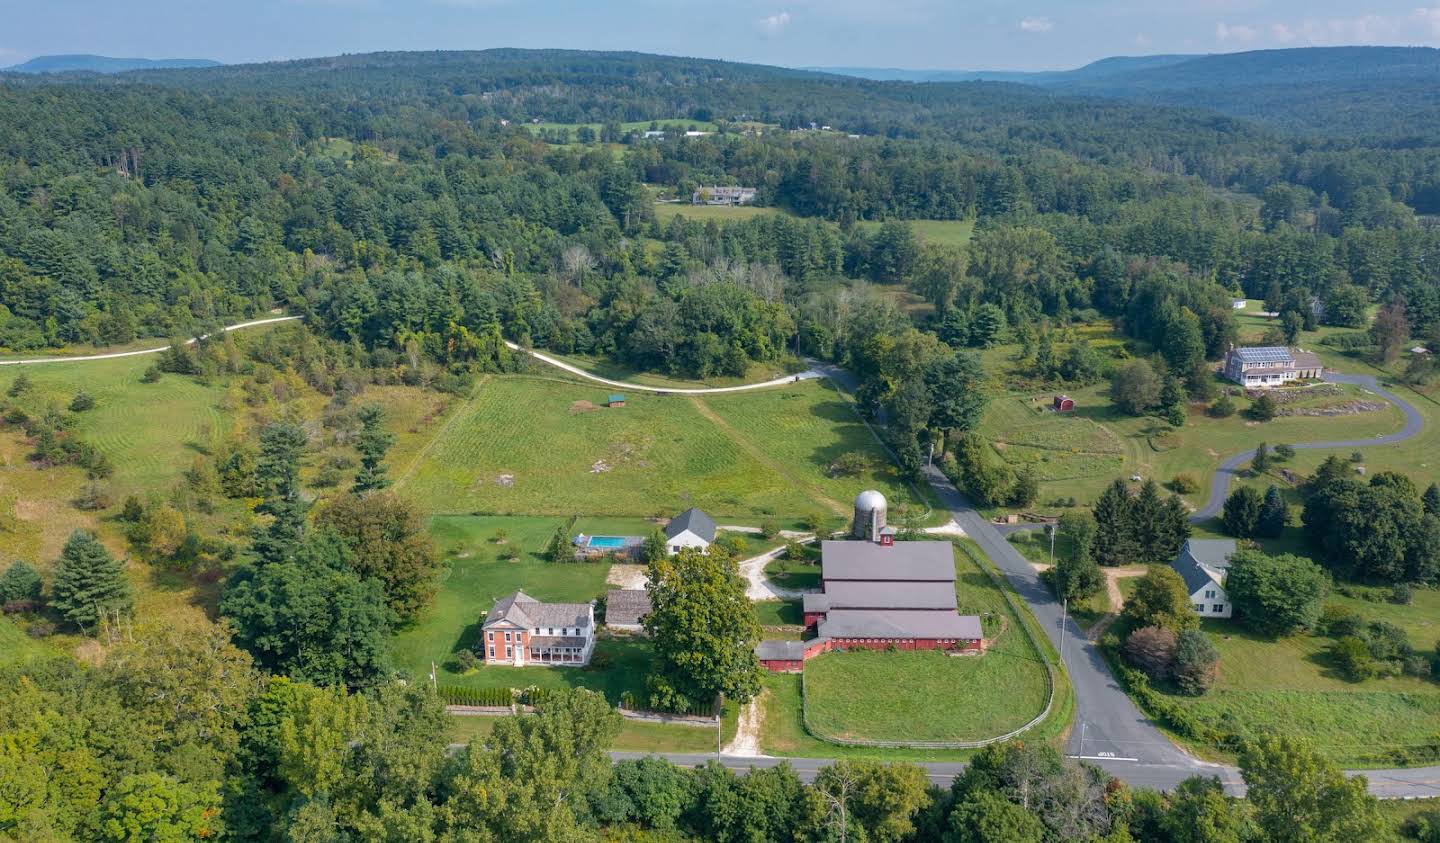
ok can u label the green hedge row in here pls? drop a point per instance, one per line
(453, 695)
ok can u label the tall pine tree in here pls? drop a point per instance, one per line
(277, 473)
(1273, 514)
(1114, 542)
(374, 440)
(89, 582)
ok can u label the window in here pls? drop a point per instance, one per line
(1210, 594)
(492, 652)
(1218, 608)
(508, 654)
(675, 548)
(507, 638)
(1200, 607)
(489, 636)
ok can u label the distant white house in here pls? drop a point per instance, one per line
(654, 133)
(1237, 304)
(723, 196)
(691, 528)
(1203, 565)
(521, 630)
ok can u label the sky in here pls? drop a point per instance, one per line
(921, 34)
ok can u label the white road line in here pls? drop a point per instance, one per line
(1101, 758)
(118, 354)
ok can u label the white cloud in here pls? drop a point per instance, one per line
(1282, 33)
(1142, 39)
(773, 25)
(1037, 24)
(1235, 32)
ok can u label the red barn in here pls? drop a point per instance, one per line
(1064, 404)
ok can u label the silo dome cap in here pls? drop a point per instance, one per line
(869, 499)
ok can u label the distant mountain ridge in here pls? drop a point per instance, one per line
(84, 63)
(1330, 90)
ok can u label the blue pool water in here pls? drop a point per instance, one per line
(607, 541)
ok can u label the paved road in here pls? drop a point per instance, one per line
(1414, 423)
(637, 387)
(117, 354)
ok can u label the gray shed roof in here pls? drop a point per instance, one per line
(626, 606)
(864, 560)
(781, 650)
(849, 594)
(1198, 555)
(849, 623)
(693, 520)
(524, 610)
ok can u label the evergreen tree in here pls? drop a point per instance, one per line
(1150, 525)
(1260, 463)
(89, 582)
(20, 582)
(1273, 515)
(1431, 499)
(1242, 512)
(372, 443)
(1114, 536)
(277, 474)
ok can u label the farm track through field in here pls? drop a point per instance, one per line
(457, 413)
(764, 459)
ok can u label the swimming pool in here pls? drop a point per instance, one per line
(610, 542)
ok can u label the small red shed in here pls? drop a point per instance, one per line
(1064, 404)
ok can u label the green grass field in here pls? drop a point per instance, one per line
(16, 646)
(778, 613)
(919, 695)
(666, 211)
(617, 371)
(936, 232)
(635, 735)
(655, 456)
(792, 574)
(1288, 686)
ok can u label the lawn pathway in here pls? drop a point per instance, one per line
(808, 374)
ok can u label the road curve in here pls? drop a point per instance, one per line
(1225, 474)
(809, 374)
(33, 361)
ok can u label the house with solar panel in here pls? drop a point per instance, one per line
(1265, 367)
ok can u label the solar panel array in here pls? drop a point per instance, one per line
(1266, 354)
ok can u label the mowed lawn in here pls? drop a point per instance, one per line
(1288, 686)
(934, 232)
(476, 576)
(667, 211)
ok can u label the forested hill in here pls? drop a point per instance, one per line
(1385, 93)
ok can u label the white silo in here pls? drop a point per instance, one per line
(869, 514)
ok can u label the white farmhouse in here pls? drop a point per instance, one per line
(521, 630)
(1203, 564)
(691, 528)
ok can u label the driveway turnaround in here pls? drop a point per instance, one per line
(1414, 423)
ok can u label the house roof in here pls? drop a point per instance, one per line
(850, 623)
(626, 605)
(864, 560)
(522, 609)
(1307, 360)
(850, 594)
(693, 520)
(614, 396)
(781, 650)
(1204, 561)
(1277, 354)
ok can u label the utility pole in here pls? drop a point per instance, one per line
(1052, 546)
(1064, 612)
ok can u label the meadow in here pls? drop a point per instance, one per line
(666, 211)
(520, 445)
(1289, 686)
(934, 232)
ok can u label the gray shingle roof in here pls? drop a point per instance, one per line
(1198, 555)
(524, 610)
(849, 623)
(693, 520)
(848, 594)
(815, 601)
(863, 560)
(781, 650)
(626, 606)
